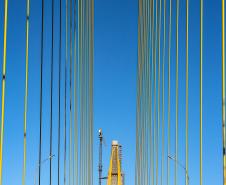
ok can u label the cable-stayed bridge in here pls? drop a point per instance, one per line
(154, 151)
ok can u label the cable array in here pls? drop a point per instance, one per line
(80, 70)
(85, 62)
(151, 93)
(143, 144)
(153, 52)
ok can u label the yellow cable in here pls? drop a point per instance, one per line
(151, 94)
(26, 92)
(223, 92)
(91, 88)
(70, 106)
(163, 94)
(186, 156)
(177, 26)
(138, 100)
(80, 34)
(142, 91)
(91, 94)
(75, 112)
(81, 37)
(3, 86)
(66, 58)
(86, 94)
(155, 130)
(146, 92)
(153, 76)
(159, 58)
(169, 57)
(201, 58)
(142, 87)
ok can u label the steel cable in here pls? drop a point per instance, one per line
(26, 93)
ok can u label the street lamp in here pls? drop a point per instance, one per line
(181, 165)
(42, 162)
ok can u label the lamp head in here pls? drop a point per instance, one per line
(100, 133)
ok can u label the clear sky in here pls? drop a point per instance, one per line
(115, 61)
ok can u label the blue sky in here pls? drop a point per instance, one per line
(115, 57)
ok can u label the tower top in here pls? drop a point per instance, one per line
(114, 143)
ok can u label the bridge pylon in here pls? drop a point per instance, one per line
(115, 175)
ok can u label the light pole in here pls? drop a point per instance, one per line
(42, 162)
(181, 165)
(100, 155)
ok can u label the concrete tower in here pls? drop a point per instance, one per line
(115, 175)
